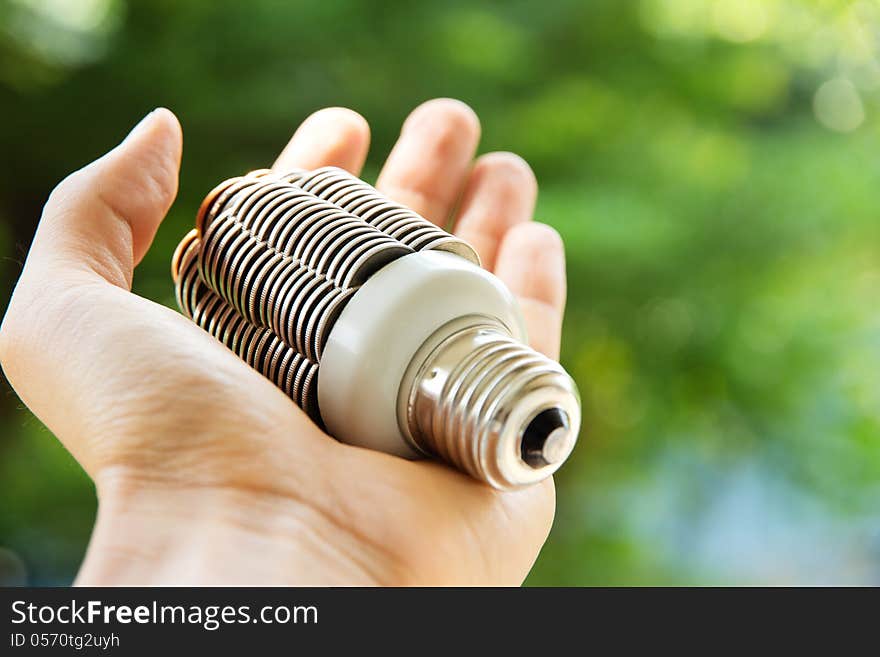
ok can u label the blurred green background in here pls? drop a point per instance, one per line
(711, 164)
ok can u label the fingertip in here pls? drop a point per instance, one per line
(454, 117)
(103, 217)
(168, 128)
(152, 150)
(500, 193)
(140, 177)
(137, 177)
(345, 122)
(531, 260)
(536, 238)
(159, 129)
(429, 165)
(509, 168)
(333, 136)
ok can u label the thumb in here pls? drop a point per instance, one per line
(102, 219)
(56, 343)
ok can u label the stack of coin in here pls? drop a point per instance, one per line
(285, 259)
(260, 348)
(275, 257)
(365, 201)
(317, 234)
(268, 288)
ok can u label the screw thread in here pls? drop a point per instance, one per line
(481, 400)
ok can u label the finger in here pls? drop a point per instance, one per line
(500, 193)
(531, 261)
(430, 161)
(102, 218)
(96, 224)
(330, 137)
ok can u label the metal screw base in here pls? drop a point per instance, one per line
(493, 407)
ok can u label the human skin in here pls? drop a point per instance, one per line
(205, 472)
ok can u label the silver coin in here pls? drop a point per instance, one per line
(399, 226)
(336, 189)
(245, 340)
(334, 237)
(291, 176)
(264, 270)
(338, 259)
(274, 359)
(356, 201)
(271, 215)
(289, 308)
(228, 196)
(318, 330)
(263, 341)
(282, 376)
(216, 243)
(326, 183)
(233, 335)
(328, 320)
(255, 272)
(297, 236)
(237, 249)
(187, 268)
(286, 372)
(240, 196)
(240, 267)
(226, 324)
(262, 197)
(276, 283)
(300, 307)
(288, 281)
(416, 238)
(310, 236)
(366, 259)
(206, 312)
(337, 235)
(323, 304)
(277, 229)
(315, 181)
(302, 366)
(309, 395)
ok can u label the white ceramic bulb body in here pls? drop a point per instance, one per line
(430, 357)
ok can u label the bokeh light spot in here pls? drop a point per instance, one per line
(740, 21)
(838, 105)
(78, 15)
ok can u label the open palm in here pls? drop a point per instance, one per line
(205, 472)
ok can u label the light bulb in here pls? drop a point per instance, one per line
(377, 323)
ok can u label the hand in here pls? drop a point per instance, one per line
(205, 472)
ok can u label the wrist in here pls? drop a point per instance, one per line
(154, 533)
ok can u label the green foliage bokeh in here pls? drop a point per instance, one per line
(711, 165)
